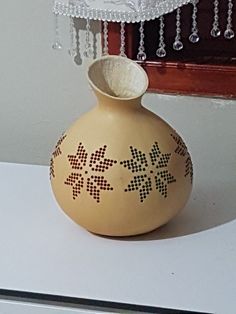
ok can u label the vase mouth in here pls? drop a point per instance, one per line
(117, 77)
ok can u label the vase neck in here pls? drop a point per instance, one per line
(118, 82)
(112, 103)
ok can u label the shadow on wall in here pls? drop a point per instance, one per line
(80, 27)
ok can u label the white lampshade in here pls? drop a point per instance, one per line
(129, 11)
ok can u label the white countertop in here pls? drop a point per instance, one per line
(188, 264)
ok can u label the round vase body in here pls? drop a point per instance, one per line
(120, 169)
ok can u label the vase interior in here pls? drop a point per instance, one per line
(118, 77)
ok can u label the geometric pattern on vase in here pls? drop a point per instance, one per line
(87, 172)
(182, 150)
(57, 152)
(150, 172)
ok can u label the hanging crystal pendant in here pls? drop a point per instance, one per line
(161, 52)
(88, 47)
(72, 50)
(105, 39)
(194, 37)
(229, 33)
(122, 39)
(215, 32)
(141, 56)
(57, 42)
(178, 45)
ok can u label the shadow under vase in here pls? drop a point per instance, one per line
(211, 204)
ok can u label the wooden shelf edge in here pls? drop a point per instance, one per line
(191, 79)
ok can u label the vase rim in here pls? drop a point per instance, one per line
(124, 60)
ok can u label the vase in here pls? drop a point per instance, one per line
(120, 170)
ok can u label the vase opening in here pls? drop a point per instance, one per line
(118, 77)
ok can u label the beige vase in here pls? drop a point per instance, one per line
(120, 170)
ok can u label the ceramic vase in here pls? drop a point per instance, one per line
(120, 170)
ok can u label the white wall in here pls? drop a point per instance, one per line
(43, 91)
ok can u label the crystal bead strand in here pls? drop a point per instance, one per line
(88, 47)
(215, 32)
(122, 39)
(57, 42)
(72, 50)
(178, 45)
(105, 38)
(194, 38)
(141, 56)
(161, 52)
(229, 33)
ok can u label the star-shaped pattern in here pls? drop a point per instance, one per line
(151, 172)
(87, 172)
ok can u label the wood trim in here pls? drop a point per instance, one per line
(191, 79)
(114, 39)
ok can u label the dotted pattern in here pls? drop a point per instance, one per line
(86, 169)
(57, 152)
(93, 191)
(102, 183)
(135, 183)
(145, 190)
(95, 184)
(78, 161)
(156, 171)
(164, 159)
(98, 162)
(155, 153)
(97, 155)
(77, 182)
(138, 163)
(51, 169)
(162, 179)
(182, 150)
(189, 168)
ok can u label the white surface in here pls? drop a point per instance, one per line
(11, 307)
(178, 267)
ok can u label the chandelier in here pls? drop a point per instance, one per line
(137, 11)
